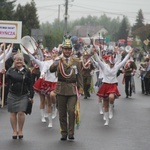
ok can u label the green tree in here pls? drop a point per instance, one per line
(139, 21)
(55, 30)
(28, 15)
(143, 32)
(53, 33)
(124, 29)
(111, 25)
(7, 9)
(140, 29)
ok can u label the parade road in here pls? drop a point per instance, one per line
(129, 129)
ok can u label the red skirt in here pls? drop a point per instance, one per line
(44, 87)
(107, 89)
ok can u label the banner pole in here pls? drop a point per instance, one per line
(3, 82)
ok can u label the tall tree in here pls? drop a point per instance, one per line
(124, 29)
(112, 25)
(53, 33)
(139, 20)
(140, 29)
(28, 15)
(7, 9)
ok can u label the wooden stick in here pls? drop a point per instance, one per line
(3, 83)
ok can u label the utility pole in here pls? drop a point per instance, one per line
(66, 16)
(58, 13)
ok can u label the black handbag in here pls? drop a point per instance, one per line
(29, 105)
(29, 108)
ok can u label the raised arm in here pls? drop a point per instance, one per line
(8, 52)
(38, 62)
(1, 47)
(101, 64)
(40, 53)
(118, 58)
(121, 64)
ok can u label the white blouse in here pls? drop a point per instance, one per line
(44, 69)
(110, 74)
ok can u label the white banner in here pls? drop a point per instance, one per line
(10, 31)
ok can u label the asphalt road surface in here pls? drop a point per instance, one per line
(129, 129)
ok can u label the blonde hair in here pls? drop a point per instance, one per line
(19, 55)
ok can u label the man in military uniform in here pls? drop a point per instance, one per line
(87, 67)
(129, 70)
(69, 81)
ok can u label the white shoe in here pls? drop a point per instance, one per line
(50, 120)
(43, 119)
(101, 108)
(104, 117)
(106, 123)
(54, 111)
(106, 114)
(42, 115)
(110, 115)
(54, 114)
(50, 125)
(101, 112)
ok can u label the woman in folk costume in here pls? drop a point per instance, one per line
(50, 81)
(100, 99)
(105, 59)
(98, 84)
(45, 85)
(54, 54)
(109, 90)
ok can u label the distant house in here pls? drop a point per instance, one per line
(93, 31)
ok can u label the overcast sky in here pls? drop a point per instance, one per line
(48, 9)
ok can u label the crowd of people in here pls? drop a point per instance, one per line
(61, 76)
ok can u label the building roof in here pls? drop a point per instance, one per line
(83, 31)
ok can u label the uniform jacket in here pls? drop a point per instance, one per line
(67, 86)
(87, 72)
(130, 68)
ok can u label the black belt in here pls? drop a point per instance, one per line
(67, 81)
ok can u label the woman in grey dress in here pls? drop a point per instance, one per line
(20, 92)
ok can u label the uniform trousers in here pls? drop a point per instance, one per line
(86, 85)
(147, 83)
(66, 108)
(128, 87)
